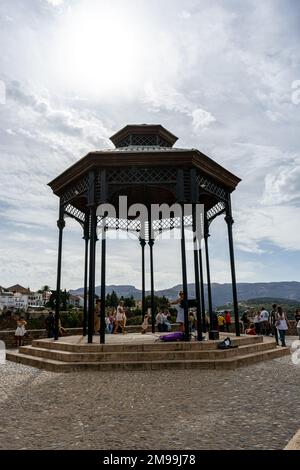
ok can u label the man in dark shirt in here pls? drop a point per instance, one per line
(50, 324)
(272, 320)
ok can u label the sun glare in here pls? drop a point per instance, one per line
(100, 47)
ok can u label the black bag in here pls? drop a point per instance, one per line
(226, 344)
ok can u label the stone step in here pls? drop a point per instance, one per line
(69, 356)
(64, 345)
(222, 363)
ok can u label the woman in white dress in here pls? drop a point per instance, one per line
(180, 310)
(20, 331)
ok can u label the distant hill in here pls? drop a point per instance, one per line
(273, 300)
(221, 293)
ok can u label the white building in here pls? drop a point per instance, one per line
(35, 299)
(21, 301)
(76, 300)
(18, 300)
(7, 301)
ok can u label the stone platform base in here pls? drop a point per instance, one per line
(294, 443)
(140, 352)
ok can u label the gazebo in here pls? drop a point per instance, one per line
(148, 170)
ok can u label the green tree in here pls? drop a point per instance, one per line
(114, 299)
(129, 301)
(159, 302)
(64, 299)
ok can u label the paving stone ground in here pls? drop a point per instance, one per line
(255, 407)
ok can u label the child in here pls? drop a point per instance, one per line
(20, 331)
(145, 324)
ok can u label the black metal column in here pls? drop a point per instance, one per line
(92, 260)
(197, 280)
(86, 238)
(151, 243)
(61, 226)
(202, 290)
(103, 280)
(209, 296)
(229, 221)
(143, 243)
(184, 280)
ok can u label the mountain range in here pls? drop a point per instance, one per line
(221, 293)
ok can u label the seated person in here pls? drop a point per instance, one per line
(192, 321)
(145, 324)
(61, 330)
(160, 322)
(251, 330)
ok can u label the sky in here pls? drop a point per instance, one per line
(224, 76)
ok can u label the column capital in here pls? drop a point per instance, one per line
(151, 242)
(142, 242)
(228, 219)
(61, 224)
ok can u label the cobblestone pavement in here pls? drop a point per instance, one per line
(255, 407)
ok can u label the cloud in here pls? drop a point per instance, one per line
(172, 100)
(55, 3)
(202, 118)
(184, 14)
(282, 185)
(218, 75)
(278, 225)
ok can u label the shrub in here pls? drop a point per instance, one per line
(71, 319)
(137, 320)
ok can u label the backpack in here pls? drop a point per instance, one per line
(176, 336)
(226, 344)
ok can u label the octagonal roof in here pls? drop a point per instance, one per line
(143, 134)
(154, 153)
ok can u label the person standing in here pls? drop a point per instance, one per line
(256, 323)
(20, 331)
(227, 320)
(120, 318)
(145, 324)
(264, 316)
(245, 321)
(282, 325)
(50, 324)
(97, 316)
(272, 319)
(180, 310)
(221, 322)
(297, 320)
(111, 320)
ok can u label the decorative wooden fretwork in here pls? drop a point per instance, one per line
(215, 211)
(78, 189)
(206, 185)
(75, 213)
(144, 141)
(142, 175)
